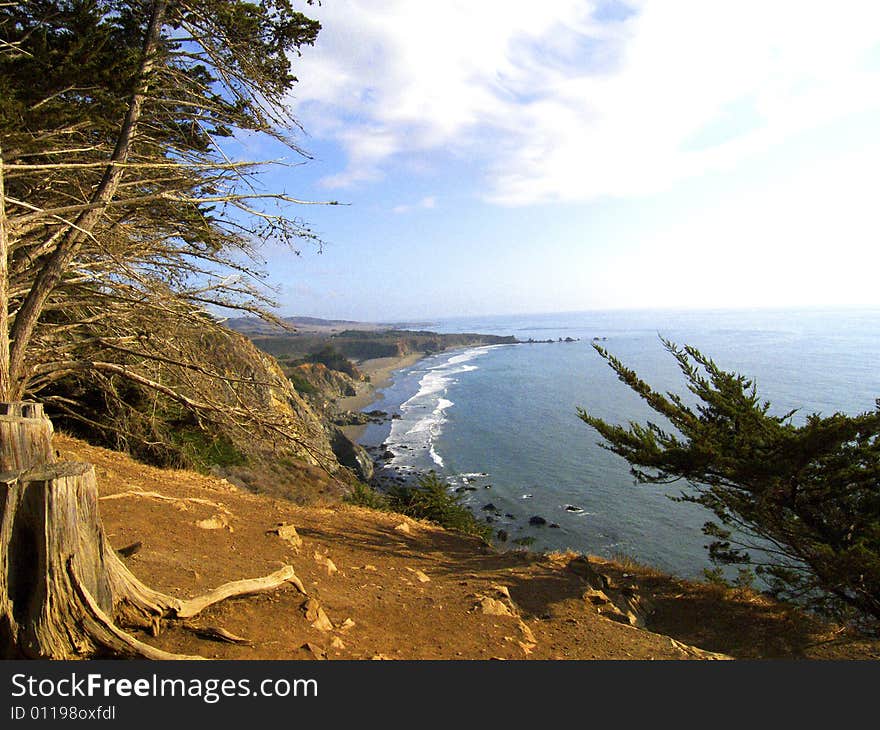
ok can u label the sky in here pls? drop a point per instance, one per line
(505, 156)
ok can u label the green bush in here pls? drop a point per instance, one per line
(365, 496)
(203, 450)
(431, 500)
(301, 385)
(524, 541)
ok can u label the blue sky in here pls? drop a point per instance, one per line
(508, 156)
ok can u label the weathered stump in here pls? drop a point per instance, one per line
(62, 587)
(25, 436)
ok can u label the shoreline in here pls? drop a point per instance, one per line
(380, 371)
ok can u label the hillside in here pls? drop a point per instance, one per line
(383, 586)
(255, 326)
(259, 430)
(365, 344)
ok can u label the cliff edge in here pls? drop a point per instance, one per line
(376, 585)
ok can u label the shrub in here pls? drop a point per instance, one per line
(431, 500)
(302, 386)
(365, 496)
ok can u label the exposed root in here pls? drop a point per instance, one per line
(101, 628)
(159, 497)
(217, 633)
(191, 607)
(64, 590)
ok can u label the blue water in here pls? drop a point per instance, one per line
(503, 419)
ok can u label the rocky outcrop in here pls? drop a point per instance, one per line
(317, 379)
(352, 455)
(360, 418)
(312, 443)
(622, 603)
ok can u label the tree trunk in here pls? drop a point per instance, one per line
(5, 384)
(57, 261)
(62, 586)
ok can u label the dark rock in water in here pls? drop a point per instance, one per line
(572, 508)
(395, 417)
(489, 507)
(537, 520)
(502, 535)
(553, 525)
(377, 414)
(490, 518)
(469, 489)
(510, 516)
(459, 490)
(387, 454)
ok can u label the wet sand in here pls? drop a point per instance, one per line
(379, 370)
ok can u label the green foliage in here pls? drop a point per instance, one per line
(745, 578)
(74, 61)
(524, 541)
(203, 450)
(798, 505)
(432, 500)
(365, 496)
(429, 500)
(301, 384)
(332, 359)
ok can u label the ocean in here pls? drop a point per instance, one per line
(500, 423)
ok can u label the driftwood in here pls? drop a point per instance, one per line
(63, 588)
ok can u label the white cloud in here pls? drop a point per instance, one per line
(807, 238)
(426, 203)
(555, 104)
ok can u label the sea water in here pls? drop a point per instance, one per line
(500, 423)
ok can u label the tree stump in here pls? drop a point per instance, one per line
(25, 436)
(62, 586)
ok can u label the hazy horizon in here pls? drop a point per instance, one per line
(814, 309)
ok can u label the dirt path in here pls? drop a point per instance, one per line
(391, 587)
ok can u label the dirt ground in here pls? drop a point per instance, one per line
(382, 586)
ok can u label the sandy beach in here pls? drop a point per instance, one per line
(379, 370)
